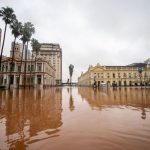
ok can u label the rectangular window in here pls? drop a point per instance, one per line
(129, 75)
(3, 67)
(19, 68)
(6, 68)
(39, 67)
(1, 80)
(28, 67)
(32, 67)
(39, 79)
(135, 75)
(113, 75)
(124, 75)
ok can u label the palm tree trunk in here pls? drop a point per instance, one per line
(30, 74)
(25, 68)
(3, 46)
(13, 50)
(35, 68)
(21, 64)
(12, 62)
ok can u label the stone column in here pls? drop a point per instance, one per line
(7, 77)
(4, 77)
(42, 66)
(35, 80)
(15, 81)
(21, 79)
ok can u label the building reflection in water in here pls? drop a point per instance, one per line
(31, 115)
(104, 98)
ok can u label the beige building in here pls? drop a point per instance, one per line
(121, 75)
(39, 73)
(53, 54)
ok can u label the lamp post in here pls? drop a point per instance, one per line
(140, 70)
(94, 85)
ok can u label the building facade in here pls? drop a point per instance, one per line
(34, 72)
(121, 75)
(37, 74)
(53, 54)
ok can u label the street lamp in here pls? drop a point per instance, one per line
(140, 70)
(94, 85)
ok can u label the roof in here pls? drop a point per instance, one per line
(115, 66)
(137, 65)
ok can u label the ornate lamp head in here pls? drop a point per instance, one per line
(140, 70)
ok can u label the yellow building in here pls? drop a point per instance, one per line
(121, 75)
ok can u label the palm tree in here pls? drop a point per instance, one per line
(24, 39)
(36, 48)
(27, 31)
(8, 17)
(16, 27)
(31, 30)
(71, 67)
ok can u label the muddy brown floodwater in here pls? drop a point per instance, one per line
(75, 119)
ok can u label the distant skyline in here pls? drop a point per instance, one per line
(109, 32)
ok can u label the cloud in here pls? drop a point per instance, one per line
(111, 32)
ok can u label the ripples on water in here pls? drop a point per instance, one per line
(75, 118)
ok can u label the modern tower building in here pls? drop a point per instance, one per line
(52, 53)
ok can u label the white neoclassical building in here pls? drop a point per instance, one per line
(37, 74)
(33, 72)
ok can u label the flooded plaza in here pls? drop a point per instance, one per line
(75, 118)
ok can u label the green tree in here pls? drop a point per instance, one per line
(16, 27)
(27, 31)
(35, 48)
(8, 17)
(71, 67)
(30, 30)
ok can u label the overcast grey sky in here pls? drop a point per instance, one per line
(109, 32)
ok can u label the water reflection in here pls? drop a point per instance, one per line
(29, 114)
(32, 119)
(71, 100)
(104, 98)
